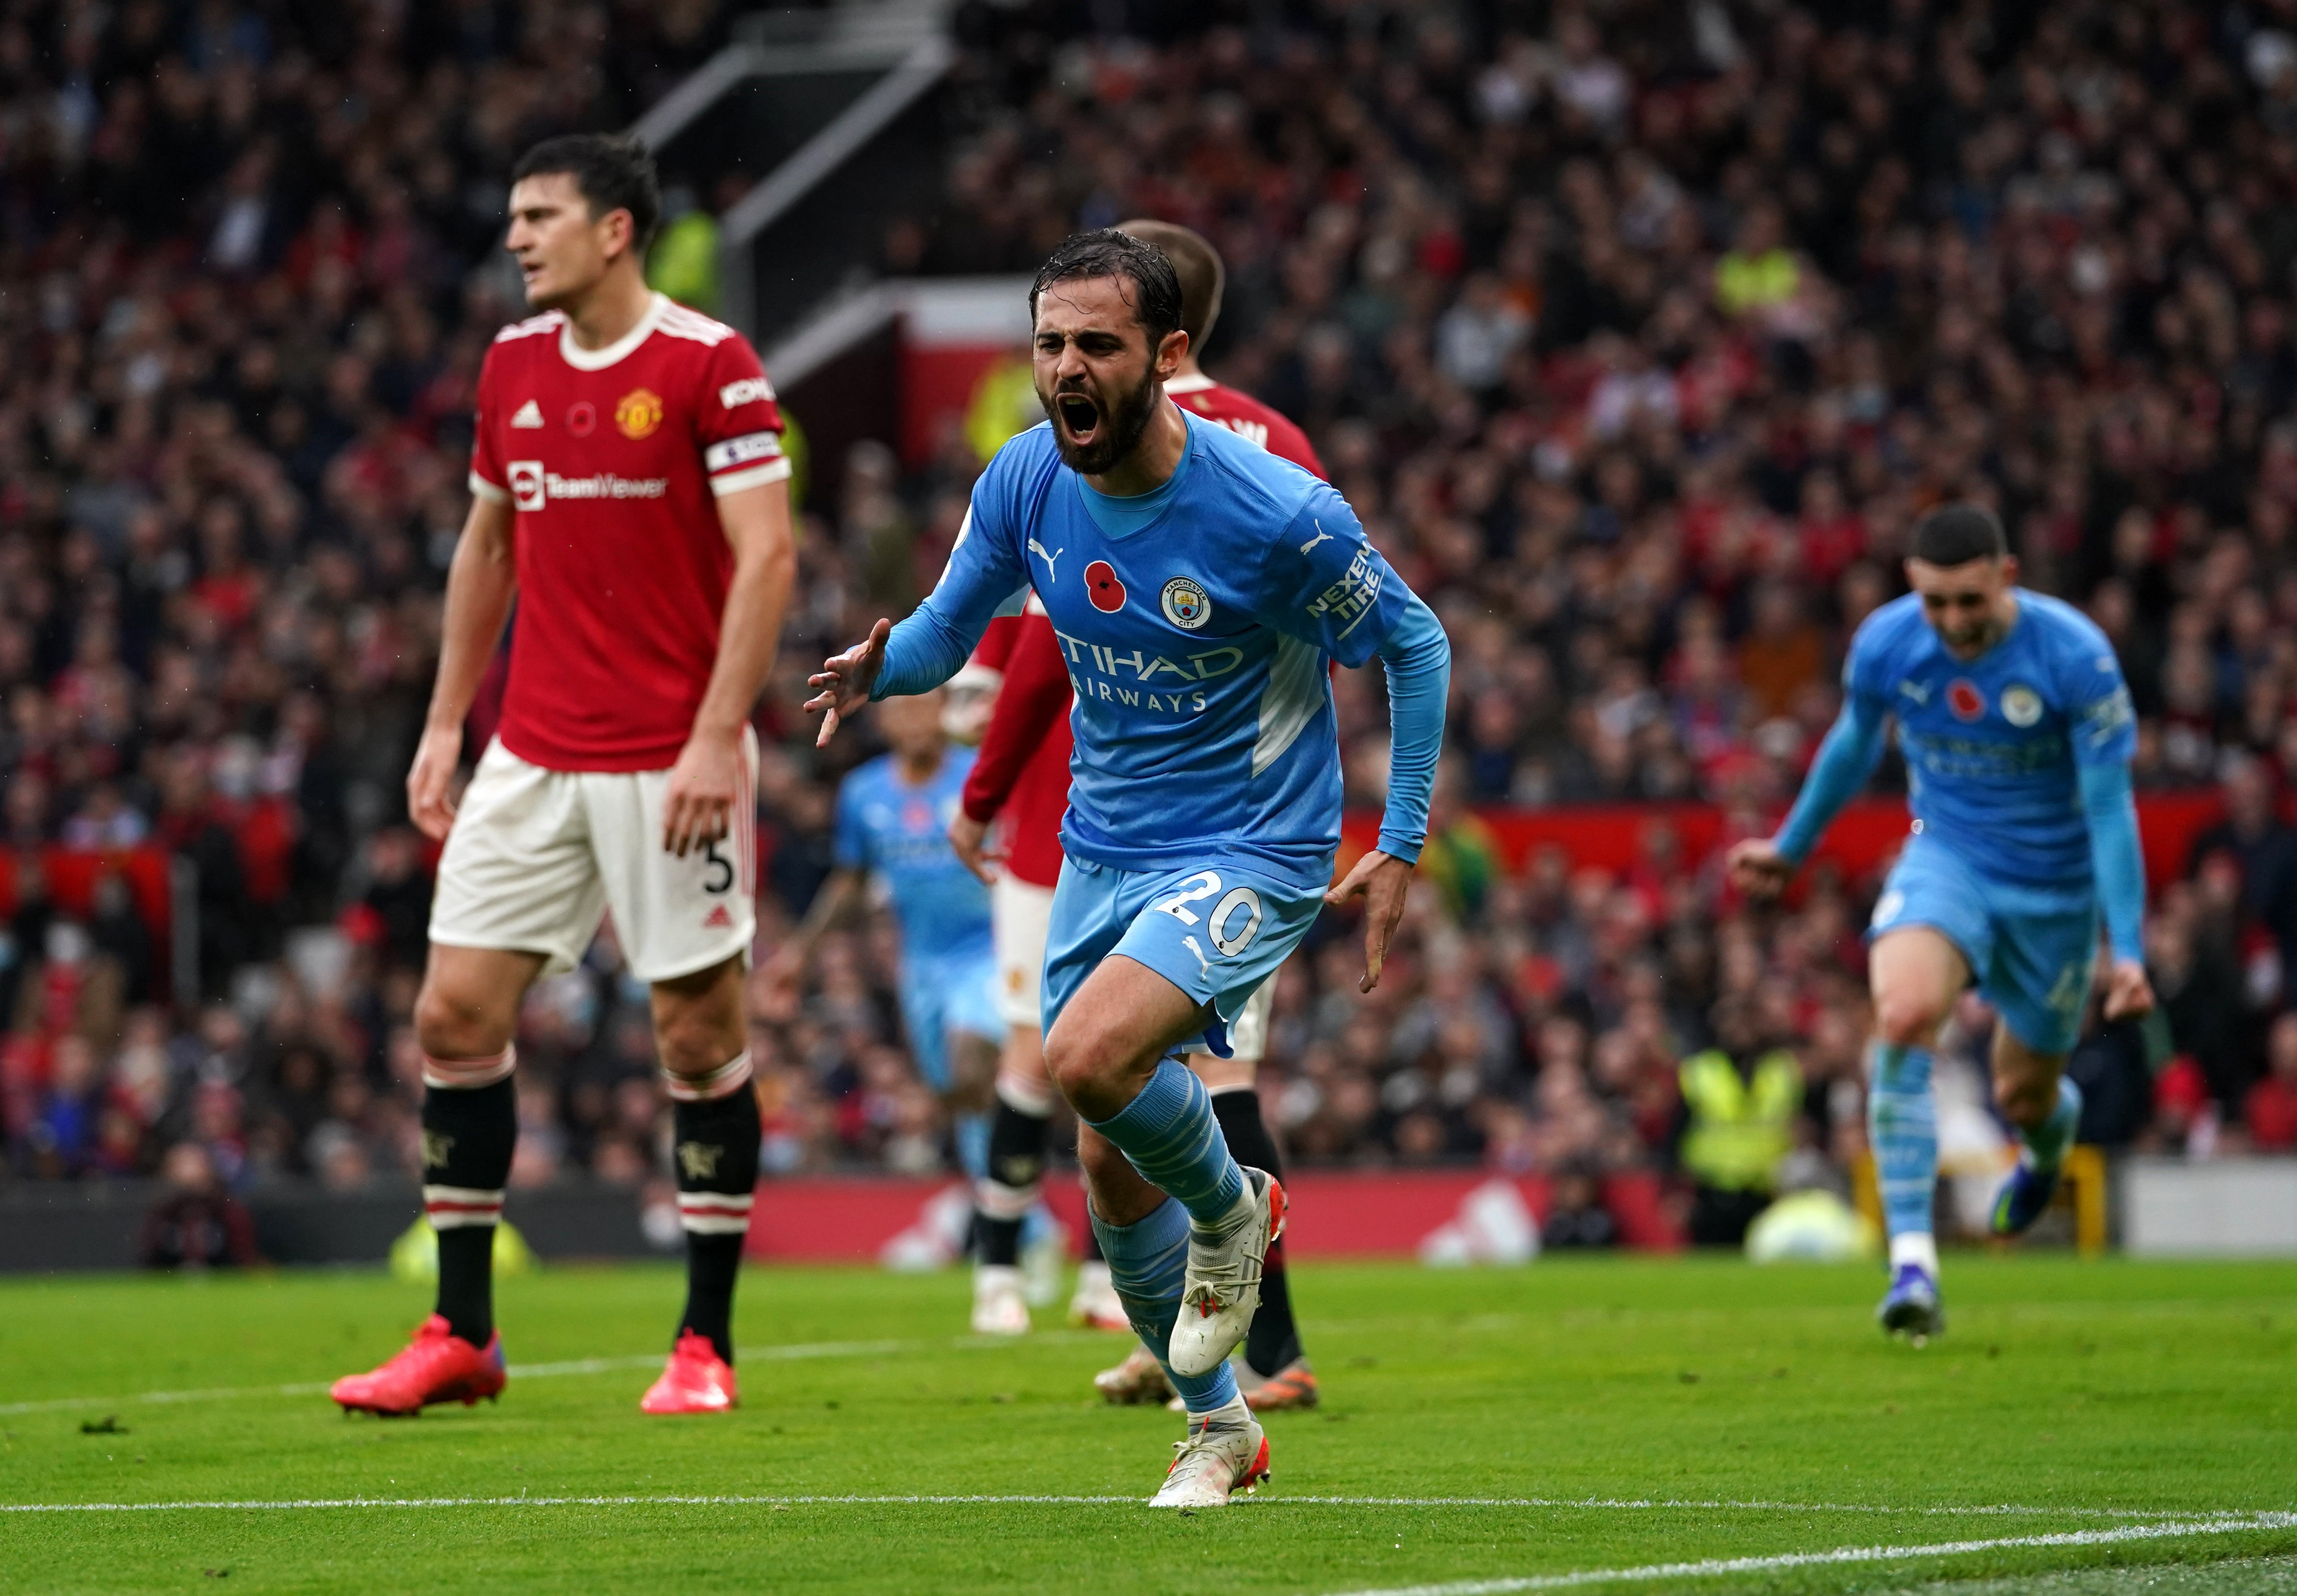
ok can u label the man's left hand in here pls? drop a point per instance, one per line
(2128, 995)
(1382, 880)
(698, 806)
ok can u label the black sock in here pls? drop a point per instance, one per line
(1274, 1339)
(1016, 1166)
(716, 1152)
(468, 1134)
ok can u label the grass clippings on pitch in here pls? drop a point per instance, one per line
(1681, 1425)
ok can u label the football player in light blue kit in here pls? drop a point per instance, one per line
(1200, 588)
(893, 815)
(2017, 732)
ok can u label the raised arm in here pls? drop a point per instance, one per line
(982, 579)
(1761, 867)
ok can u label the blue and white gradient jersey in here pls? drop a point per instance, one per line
(899, 833)
(1993, 745)
(1198, 621)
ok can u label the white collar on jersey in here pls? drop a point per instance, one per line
(582, 359)
(1195, 384)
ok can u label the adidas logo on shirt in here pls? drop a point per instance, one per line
(530, 415)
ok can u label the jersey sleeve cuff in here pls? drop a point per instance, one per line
(483, 489)
(1396, 846)
(757, 476)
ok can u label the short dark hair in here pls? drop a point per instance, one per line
(1958, 534)
(611, 173)
(1105, 252)
(1198, 265)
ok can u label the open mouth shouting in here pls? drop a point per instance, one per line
(1078, 418)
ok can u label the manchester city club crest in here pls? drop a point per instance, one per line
(1186, 605)
(2021, 706)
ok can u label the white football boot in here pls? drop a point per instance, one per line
(998, 1308)
(1095, 1305)
(1222, 1287)
(1226, 1454)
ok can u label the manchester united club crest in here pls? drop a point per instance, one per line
(1101, 586)
(1964, 698)
(1186, 605)
(638, 413)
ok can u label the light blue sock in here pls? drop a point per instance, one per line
(1902, 1128)
(970, 1131)
(1170, 1135)
(2049, 1141)
(1145, 1263)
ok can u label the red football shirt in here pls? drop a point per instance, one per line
(1023, 770)
(1242, 413)
(614, 458)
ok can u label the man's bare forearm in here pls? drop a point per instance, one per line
(481, 582)
(750, 628)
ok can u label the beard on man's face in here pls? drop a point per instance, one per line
(1119, 424)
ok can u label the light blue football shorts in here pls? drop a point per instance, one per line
(2030, 948)
(1215, 930)
(950, 993)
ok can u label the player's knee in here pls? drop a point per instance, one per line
(1903, 1020)
(2024, 1102)
(449, 1023)
(694, 1043)
(1079, 1060)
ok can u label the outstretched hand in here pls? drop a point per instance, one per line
(1757, 868)
(1382, 880)
(844, 680)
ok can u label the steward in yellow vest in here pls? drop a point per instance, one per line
(1740, 1105)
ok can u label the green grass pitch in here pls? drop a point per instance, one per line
(1614, 1423)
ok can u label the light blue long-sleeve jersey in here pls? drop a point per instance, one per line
(1198, 621)
(2018, 760)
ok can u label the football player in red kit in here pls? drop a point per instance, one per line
(629, 491)
(1023, 774)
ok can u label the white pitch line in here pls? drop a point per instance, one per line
(533, 1371)
(2263, 1517)
(1714, 1567)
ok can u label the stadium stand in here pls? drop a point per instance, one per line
(1638, 336)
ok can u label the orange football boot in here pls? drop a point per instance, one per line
(437, 1366)
(698, 1380)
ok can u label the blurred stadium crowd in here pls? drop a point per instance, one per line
(1638, 335)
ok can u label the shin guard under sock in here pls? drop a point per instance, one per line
(1273, 1340)
(469, 1131)
(1002, 1199)
(1902, 1129)
(715, 1147)
(1147, 1262)
(1169, 1134)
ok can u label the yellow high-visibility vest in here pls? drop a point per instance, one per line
(1738, 1129)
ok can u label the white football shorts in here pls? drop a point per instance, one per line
(1020, 913)
(536, 856)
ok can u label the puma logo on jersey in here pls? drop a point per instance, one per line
(530, 415)
(1919, 692)
(1321, 536)
(1040, 550)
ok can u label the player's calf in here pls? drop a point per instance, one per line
(1002, 1199)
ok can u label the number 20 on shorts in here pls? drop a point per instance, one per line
(1206, 884)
